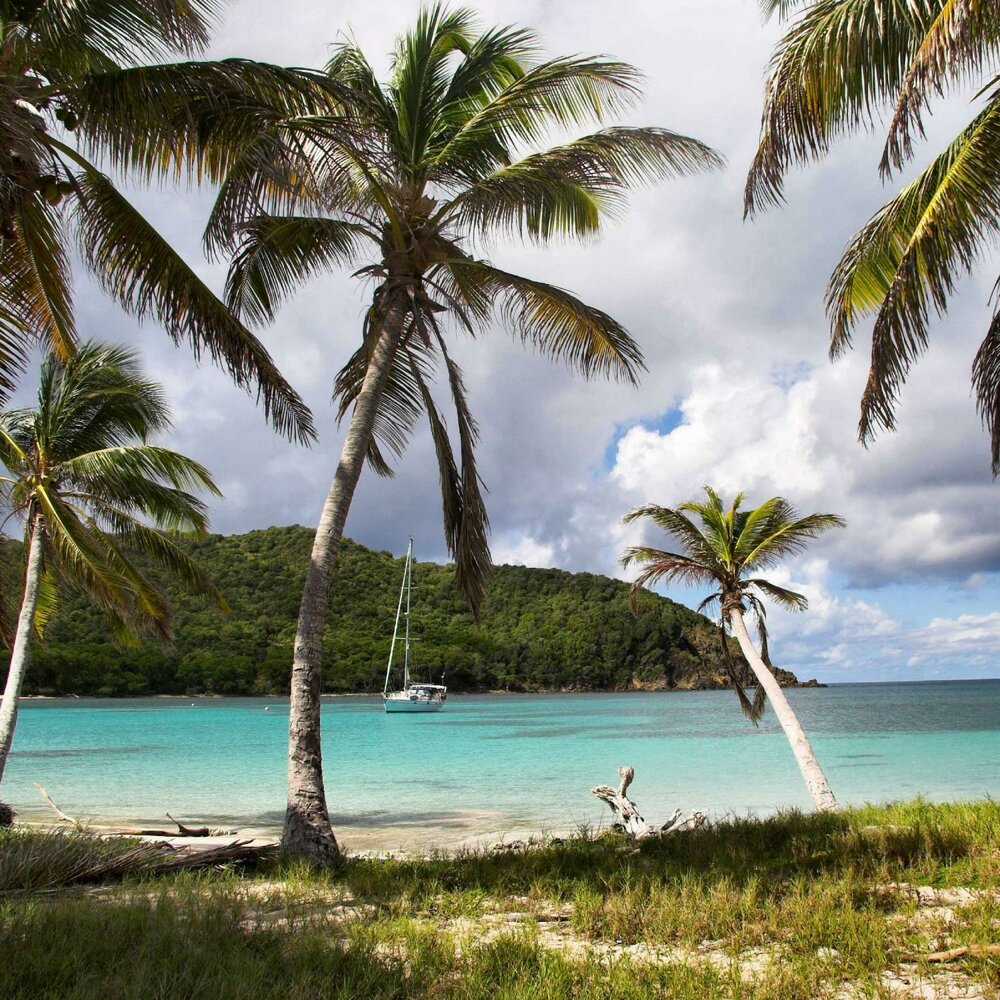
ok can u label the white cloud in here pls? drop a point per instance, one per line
(522, 551)
(742, 429)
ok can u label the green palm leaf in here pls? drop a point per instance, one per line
(277, 254)
(191, 118)
(73, 466)
(551, 319)
(148, 278)
(904, 263)
(838, 63)
(40, 277)
(566, 190)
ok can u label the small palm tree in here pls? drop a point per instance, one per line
(77, 88)
(726, 550)
(839, 65)
(84, 481)
(401, 187)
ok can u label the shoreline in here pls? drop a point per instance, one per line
(335, 695)
(365, 841)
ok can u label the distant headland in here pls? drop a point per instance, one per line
(541, 630)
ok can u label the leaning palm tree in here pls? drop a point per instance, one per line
(402, 187)
(82, 478)
(77, 90)
(726, 549)
(840, 65)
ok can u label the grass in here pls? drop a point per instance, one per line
(787, 907)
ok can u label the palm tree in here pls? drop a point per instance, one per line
(841, 63)
(75, 87)
(401, 187)
(85, 483)
(725, 550)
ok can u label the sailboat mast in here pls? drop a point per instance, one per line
(409, 587)
(395, 629)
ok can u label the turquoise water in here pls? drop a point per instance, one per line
(501, 763)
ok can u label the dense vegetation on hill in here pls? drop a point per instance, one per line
(541, 629)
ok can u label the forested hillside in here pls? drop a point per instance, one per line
(542, 630)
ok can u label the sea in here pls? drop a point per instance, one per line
(497, 767)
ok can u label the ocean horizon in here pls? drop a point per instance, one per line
(494, 766)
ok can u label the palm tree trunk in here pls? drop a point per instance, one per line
(819, 787)
(307, 831)
(22, 642)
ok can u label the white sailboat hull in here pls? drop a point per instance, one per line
(405, 705)
(417, 698)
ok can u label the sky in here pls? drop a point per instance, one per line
(739, 391)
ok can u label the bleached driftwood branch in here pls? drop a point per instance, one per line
(625, 813)
(972, 950)
(63, 816)
(182, 830)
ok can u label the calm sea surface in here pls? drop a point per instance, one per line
(501, 763)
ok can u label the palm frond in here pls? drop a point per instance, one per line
(39, 276)
(277, 254)
(133, 476)
(148, 278)
(962, 38)
(837, 66)
(752, 709)
(195, 118)
(788, 599)
(783, 8)
(904, 263)
(275, 173)
(400, 405)
(496, 58)
(558, 93)
(97, 399)
(46, 603)
(676, 523)
(670, 567)
(421, 73)
(71, 36)
(167, 556)
(986, 385)
(789, 535)
(552, 320)
(566, 189)
(468, 535)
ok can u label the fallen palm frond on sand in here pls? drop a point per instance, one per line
(34, 860)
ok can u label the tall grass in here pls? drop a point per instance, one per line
(794, 906)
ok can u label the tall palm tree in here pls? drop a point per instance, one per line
(402, 187)
(85, 483)
(77, 90)
(726, 549)
(841, 64)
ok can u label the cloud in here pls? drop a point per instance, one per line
(919, 503)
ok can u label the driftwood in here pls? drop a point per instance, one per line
(972, 950)
(63, 816)
(182, 830)
(625, 813)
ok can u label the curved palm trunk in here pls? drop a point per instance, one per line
(22, 643)
(819, 787)
(307, 829)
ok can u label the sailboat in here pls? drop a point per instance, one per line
(412, 697)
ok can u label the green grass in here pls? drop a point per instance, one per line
(694, 915)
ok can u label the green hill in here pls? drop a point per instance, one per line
(543, 629)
